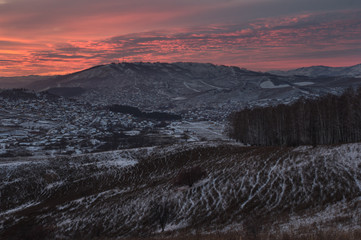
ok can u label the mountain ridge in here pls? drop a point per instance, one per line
(322, 71)
(186, 87)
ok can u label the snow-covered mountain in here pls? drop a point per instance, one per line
(323, 71)
(183, 87)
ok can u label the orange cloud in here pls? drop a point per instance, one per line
(270, 43)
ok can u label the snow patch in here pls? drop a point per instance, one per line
(19, 208)
(179, 98)
(16, 164)
(172, 227)
(304, 83)
(190, 88)
(270, 84)
(132, 133)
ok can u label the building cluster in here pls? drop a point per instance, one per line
(41, 126)
(35, 124)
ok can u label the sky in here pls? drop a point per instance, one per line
(47, 37)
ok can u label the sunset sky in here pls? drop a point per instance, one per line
(46, 37)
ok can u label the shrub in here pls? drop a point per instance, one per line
(161, 213)
(190, 176)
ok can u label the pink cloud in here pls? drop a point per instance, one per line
(270, 43)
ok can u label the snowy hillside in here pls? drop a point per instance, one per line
(323, 71)
(198, 90)
(131, 192)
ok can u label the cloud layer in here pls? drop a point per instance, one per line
(49, 37)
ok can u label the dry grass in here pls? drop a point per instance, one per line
(313, 235)
(281, 182)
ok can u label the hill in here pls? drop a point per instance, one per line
(323, 71)
(21, 81)
(209, 90)
(131, 193)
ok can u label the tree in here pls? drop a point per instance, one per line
(161, 212)
(330, 119)
(190, 176)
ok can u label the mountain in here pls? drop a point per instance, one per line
(212, 90)
(323, 71)
(21, 81)
(132, 193)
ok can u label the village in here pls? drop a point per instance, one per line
(38, 124)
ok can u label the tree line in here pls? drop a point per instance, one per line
(330, 119)
(161, 116)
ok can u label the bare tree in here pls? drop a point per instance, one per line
(161, 212)
(190, 176)
(330, 119)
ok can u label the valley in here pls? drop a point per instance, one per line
(142, 150)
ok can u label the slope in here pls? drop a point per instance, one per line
(323, 71)
(209, 90)
(118, 194)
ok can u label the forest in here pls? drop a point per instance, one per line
(330, 119)
(161, 116)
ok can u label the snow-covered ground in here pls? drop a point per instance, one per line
(304, 83)
(199, 130)
(115, 193)
(270, 84)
